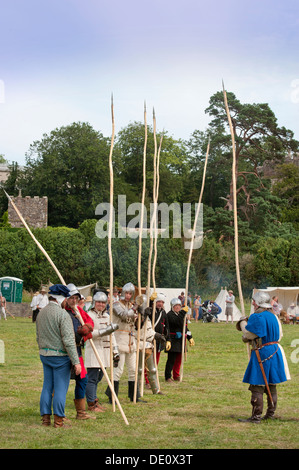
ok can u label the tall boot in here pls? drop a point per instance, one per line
(131, 386)
(46, 420)
(108, 391)
(257, 409)
(58, 421)
(80, 408)
(271, 407)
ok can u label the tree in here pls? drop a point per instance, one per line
(286, 187)
(258, 138)
(70, 166)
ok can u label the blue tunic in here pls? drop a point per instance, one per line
(266, 326)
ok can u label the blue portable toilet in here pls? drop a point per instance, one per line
(11, 288)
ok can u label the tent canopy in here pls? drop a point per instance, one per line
(286, 295)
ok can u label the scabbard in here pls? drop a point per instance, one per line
(264, 375)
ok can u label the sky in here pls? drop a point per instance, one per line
(60, 61)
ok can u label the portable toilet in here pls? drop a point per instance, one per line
(11, 288)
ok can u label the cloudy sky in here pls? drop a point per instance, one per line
(60, 60)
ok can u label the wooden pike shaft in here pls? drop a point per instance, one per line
(77, 311)
(235, 209)
(139, 259)
(109, 245)
(190, 254)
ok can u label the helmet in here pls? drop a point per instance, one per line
(160, 297)
(262, 299)
(129, 287)
(100, 297)
(73, 290)
(175, 301)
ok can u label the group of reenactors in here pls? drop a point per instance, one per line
(138, 326)
(143, 328)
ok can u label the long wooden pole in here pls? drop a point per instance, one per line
(156, 245)
(139, 257)
(234, 180)
(77, 311)
(190, 255)
(109, 244)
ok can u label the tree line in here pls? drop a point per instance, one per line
(70, 167)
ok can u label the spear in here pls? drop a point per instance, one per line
(77, 311)
(109, 244)
(157, 182)
(139, 257)
(190, 254)
(235, 207)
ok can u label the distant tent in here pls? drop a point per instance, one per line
(286, 295)
(220, 300)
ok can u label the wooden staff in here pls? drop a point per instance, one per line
(151, 242)
(139, 257)
(109, 244)
(155, 246)
(235, 208)
(190, 255)
(77, 311)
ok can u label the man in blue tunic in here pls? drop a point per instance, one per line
(267, 366)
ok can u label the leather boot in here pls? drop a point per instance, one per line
(80, 408)
(95, 406)
(58, 421)
(257, 409)
(46, 420)
(131, 386)
(271, 407)
(108, 391)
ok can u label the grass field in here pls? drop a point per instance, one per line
(199, 413)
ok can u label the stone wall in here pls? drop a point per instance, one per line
(18, 309)
(33, 209)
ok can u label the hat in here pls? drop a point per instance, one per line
(59, 289)
(43, 289)
(89, 298)
(230, 291)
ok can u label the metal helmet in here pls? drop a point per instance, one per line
(73, 290)
(129, 287)
(175, 301)
(161, 297)
(262, 299)
(100, 297)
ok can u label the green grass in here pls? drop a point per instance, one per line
(199, 413)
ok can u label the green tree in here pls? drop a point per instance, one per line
(70, 166)
(286, 187)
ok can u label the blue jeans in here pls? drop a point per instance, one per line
(95, 375)
(57, 373)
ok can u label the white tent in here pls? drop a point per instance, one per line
(220, 300)
(286, 295)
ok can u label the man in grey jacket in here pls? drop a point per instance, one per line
(57, 348)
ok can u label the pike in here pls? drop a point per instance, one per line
(236, 238)
(139, 263)
(77, 311)
(109, 245)
(190, 254)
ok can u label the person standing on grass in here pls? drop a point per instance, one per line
(101, 338)
(82, 334)
(3, 306)
(176, 317)
(263, 330)
(57, 349)
(230, 302)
